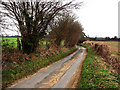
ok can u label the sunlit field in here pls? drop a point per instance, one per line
(9, 41)
(12, 42)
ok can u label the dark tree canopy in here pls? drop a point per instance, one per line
(33, 18)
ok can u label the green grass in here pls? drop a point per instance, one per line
(15, 71)
(62, 42)
(0, 39)
(10, 42)
(95, 73)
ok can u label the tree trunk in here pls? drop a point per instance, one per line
(29, 44)
(58, 42)
(29, 41)
(18, 44)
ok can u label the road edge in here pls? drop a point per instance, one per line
(73, 82)
(42, 69)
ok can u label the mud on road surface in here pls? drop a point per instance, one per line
(73, 83)
(58, 75)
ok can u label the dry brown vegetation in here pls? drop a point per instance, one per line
(103, 51)
(113, 46)
(67, 29)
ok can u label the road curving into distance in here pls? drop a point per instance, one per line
(57, 75)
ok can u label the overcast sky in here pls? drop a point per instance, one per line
(99, 17)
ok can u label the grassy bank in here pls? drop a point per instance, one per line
(15, 71)
(96, 73)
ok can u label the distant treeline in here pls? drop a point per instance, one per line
(88, 38)
(105, 39)
(11, 36)
(99, 39)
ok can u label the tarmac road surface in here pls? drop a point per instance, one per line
(56, 76)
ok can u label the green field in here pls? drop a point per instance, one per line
(9, 42)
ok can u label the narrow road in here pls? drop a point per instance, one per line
(57, 75)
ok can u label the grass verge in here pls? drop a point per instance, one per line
(15, 71)
(96, 73)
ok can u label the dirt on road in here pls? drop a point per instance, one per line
(62, 74)
(73, 83)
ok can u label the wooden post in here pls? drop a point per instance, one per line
(18, 44)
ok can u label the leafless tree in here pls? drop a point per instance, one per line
(74, 34)
(60, 28)
(67, 29)
(33, 18)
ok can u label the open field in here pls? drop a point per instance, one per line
(12, 42)
(114, 46)
(9, 41)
